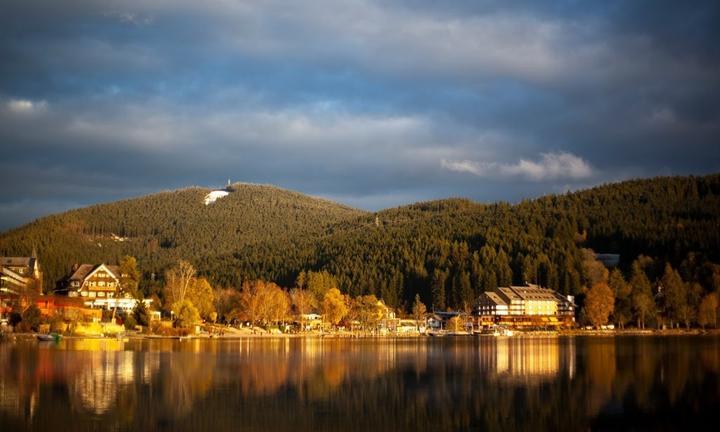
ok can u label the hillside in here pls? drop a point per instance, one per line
(159, 229)
(447, 251)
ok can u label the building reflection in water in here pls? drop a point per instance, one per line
(318, 384)
(527, 360)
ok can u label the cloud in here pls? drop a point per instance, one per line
(130, 18)
(551, 166)
(25, 106)
(353, 99)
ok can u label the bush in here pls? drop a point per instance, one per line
(141, 314)
(186, 314)
(31, 319)
(130, 322)
(15, 319)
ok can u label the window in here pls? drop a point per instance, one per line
(101, 283)
(84, 293)
(101, 294)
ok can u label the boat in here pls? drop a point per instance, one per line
(51, 337)
(503, 331)
(496, 331)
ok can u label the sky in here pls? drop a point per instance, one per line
(374, 104)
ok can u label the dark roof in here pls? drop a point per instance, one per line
(82, 271)
(495, 298)
(534, 292)
(85, 269)
(17, 261)
(14, 276)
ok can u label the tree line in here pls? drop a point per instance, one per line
(260, 303)
(669, 298)
(446, 252)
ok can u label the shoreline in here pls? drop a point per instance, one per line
(517, 335)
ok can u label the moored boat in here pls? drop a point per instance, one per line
(51, 337)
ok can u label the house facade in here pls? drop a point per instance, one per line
(525, 306)
(94, 282)
(99, 286)
(20, 273)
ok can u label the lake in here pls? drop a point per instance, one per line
(418, 384)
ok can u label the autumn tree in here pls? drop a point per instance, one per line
(689, 312)
(262, 302)
(334, 306)
(302, 302)
(202, 296)
(366, 310)
(129, 276)
(455, 324)
(186, 314)
(674, 293)
(418, 310)
(179, 281)
(623, 302)
(593, 270)
(708, 310)
(249, 306)
(279, 304)
(226, 300)
(318, 283)
(599, 304)
(642, 299)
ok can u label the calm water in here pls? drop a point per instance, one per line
(557, 383)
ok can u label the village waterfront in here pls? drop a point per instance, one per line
(356, 384)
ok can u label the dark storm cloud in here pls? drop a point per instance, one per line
(368, 103)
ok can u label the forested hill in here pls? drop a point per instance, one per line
(447, 251)
(161, 228)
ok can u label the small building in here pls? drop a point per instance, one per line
(438, 320)
(19, 273)
(100, 286)
(565, 305)
(94, 281)
(409, 326)
(68, 308)
(310, 321)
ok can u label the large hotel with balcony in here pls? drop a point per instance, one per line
(525, 307)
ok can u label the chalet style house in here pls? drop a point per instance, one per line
(19, 273)
(94, 281)
(100, 286)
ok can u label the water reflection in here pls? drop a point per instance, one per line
(527, 360)
(314, 384)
